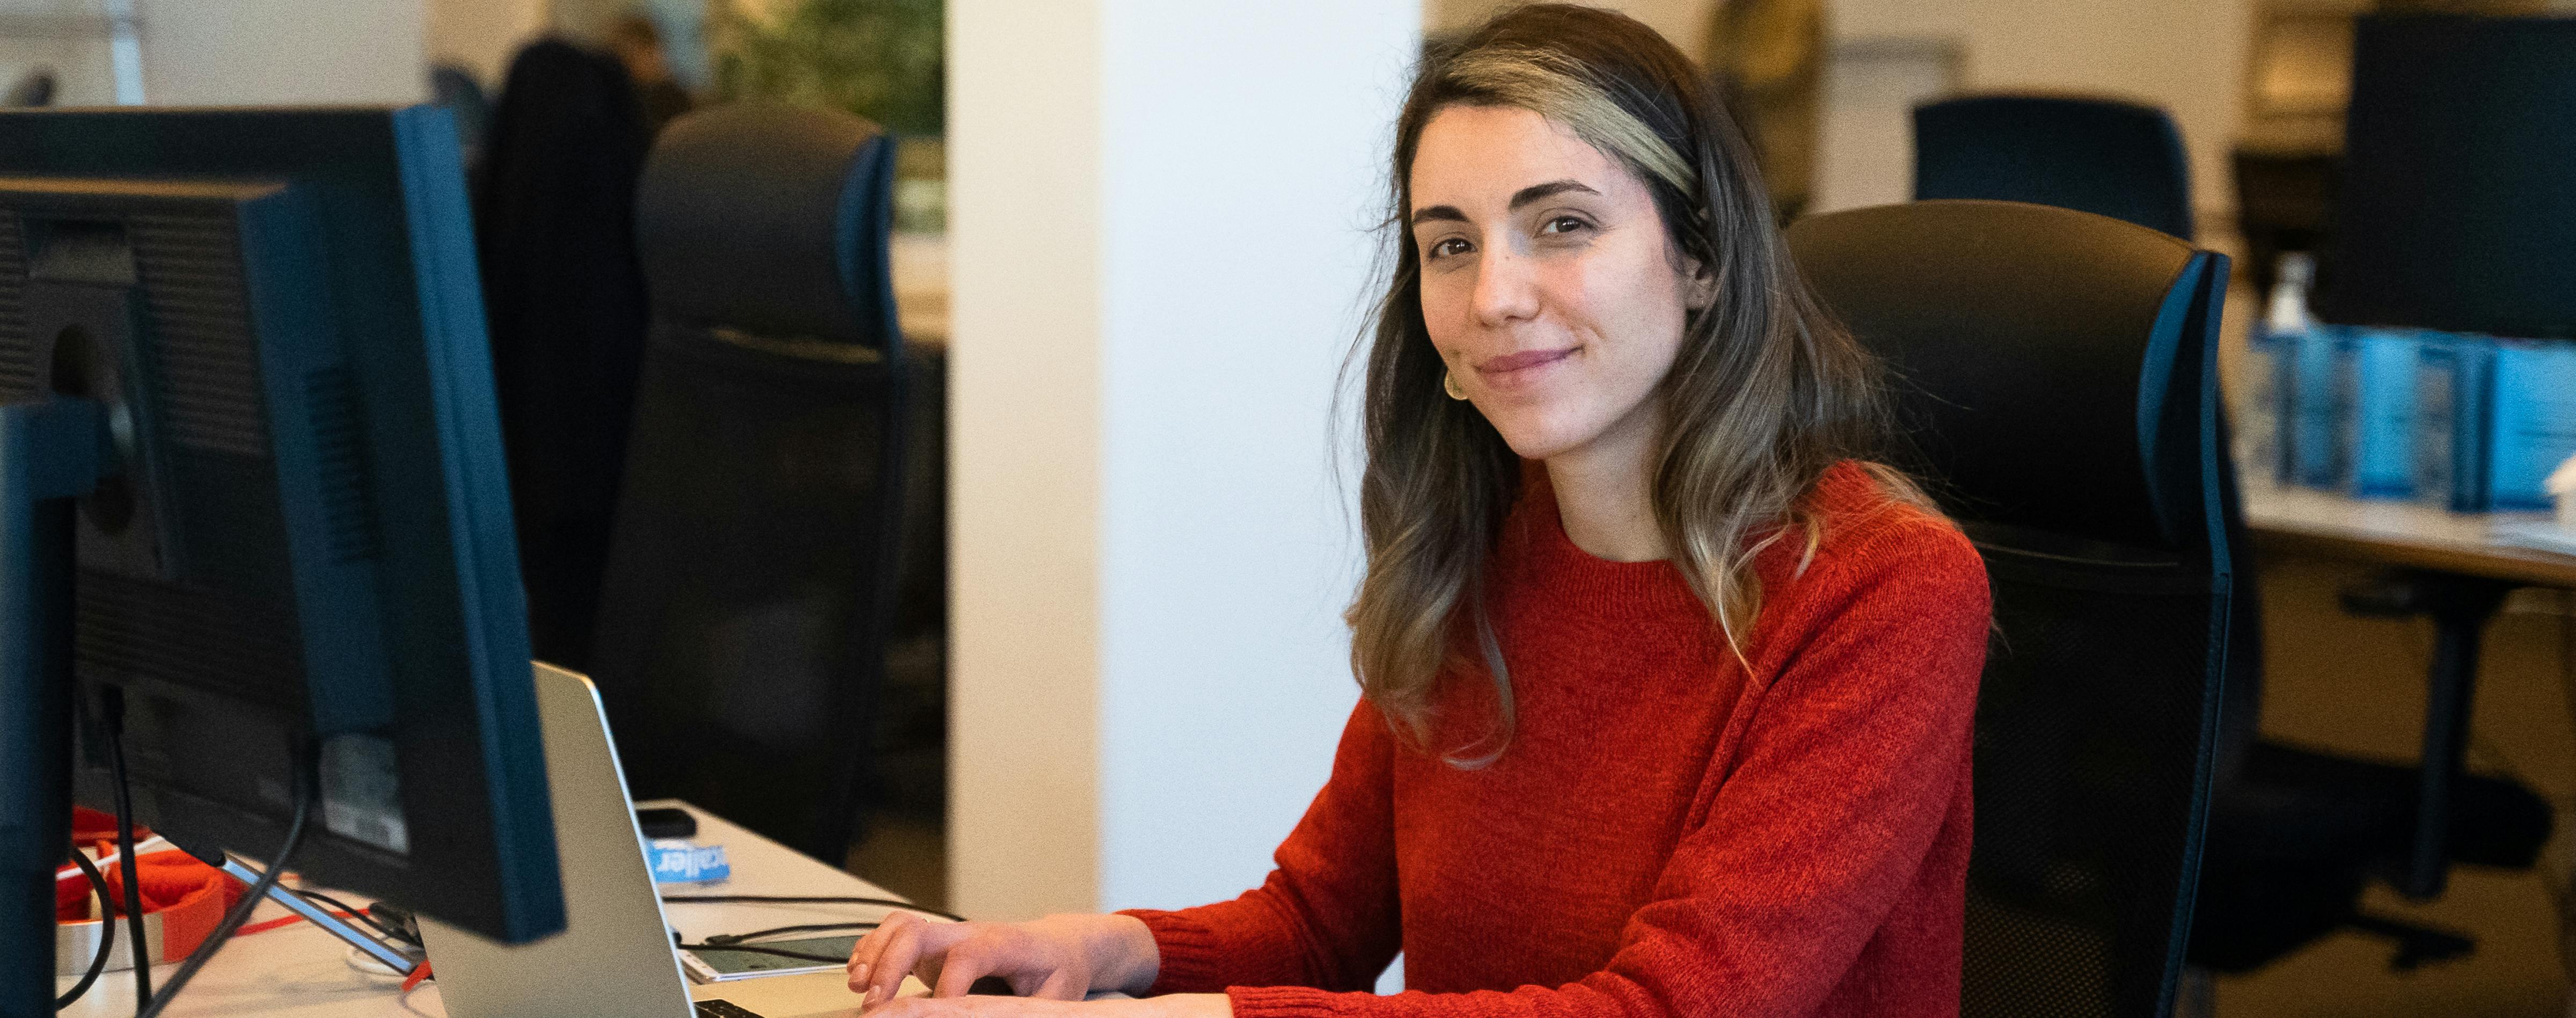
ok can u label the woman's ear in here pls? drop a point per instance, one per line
(1699, 286)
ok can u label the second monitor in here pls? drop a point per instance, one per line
(291, 586)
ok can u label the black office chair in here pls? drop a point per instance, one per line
(741, 639)
(554, 220)
(2054, 370)
(2104, 156)
(2056, 373)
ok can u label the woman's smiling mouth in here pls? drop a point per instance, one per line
(1510, 367)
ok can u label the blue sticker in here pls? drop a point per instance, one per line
(679, 862)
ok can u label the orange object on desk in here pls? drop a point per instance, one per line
(183, 900)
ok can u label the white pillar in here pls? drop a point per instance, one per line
(1160, 244)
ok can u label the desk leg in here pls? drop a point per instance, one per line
(2460, 607)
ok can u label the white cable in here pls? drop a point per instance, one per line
(359, 962)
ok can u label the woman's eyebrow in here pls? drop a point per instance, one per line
(1522, 197)
(1536, 192)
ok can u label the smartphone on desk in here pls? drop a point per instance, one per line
(720, 965)
(666, 822)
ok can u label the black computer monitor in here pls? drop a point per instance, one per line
(295, 568)
(2456, 210)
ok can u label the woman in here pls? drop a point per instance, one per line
(1667, 696)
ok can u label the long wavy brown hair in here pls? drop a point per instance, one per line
(1766, 393)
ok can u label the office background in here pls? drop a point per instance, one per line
(1158, 248)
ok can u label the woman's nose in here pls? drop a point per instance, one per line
(1506, 290)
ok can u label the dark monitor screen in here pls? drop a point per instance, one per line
(2457, 209)
(302, 562)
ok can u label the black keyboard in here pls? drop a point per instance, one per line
(724, 1009)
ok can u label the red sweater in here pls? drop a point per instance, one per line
(1668, 833)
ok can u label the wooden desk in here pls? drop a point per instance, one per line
(2305, 521)
(299, 971)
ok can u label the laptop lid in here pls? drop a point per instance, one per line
(614, 956)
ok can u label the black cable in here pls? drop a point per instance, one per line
(777, 899)
(113, 700)
(730, 939)
(304, 796)
(358, 914)
(106, 932)
(749, 949)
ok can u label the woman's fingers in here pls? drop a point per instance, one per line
(964, 965)
(1037, 960)
(1058, 985)
(863, 956)
(903, 948)
(1016, 956)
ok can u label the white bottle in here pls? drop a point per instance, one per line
(2287, 314)
(2260, 442)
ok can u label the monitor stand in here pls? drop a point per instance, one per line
(50, 455)
(388, 955)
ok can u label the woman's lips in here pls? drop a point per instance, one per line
(1499, 368)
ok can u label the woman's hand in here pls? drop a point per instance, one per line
(1060, 957)
(1175, 1005)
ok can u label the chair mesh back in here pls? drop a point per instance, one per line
(2088, 774)
(742, 642)
(2058, 370)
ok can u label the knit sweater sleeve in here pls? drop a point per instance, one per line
(1327, 915)
(1855, 757)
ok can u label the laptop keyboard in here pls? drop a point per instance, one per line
(724, 1009)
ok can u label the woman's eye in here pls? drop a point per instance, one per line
(1563, 224)
(1447, 246)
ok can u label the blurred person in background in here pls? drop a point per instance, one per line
(1770, 57)
(638, 46)
(1667, 690)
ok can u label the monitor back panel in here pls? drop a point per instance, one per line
(306, 551)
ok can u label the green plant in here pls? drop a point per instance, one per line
(880, 59)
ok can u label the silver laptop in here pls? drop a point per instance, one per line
(614, 958)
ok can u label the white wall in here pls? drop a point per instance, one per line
(68, 37)
(259, 52)
(1245, 152)
(482, 35)
(1159, 214)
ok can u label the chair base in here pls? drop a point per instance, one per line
(2417, 946)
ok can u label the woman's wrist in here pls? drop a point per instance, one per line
(1118, 950)
(1124, 955)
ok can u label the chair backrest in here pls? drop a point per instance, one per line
(2103, 156)
(2055, 375)
(741, 639)
(554, 223)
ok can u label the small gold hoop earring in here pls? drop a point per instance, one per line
(1449, 384)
